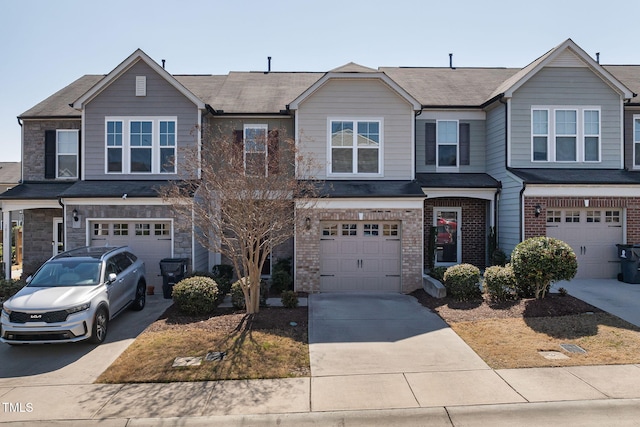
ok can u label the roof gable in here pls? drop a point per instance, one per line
(367, 74)
(134, 58)
(352, 67)
(567, 54)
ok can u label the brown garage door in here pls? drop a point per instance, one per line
(360, 256)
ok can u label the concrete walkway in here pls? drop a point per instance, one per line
(376, 361)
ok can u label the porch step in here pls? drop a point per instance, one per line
(433, 287)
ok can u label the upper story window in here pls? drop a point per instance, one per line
(140, 145)
(565, 134)
(255, 149)
(447, 144)
(61, 153)
(636, 141)
(355, 147)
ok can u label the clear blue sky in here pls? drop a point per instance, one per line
(46, 44)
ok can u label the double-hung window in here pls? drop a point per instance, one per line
(636, 141)
(355, 146)
(255, 149)
(447, 131)
(140, 144)
(61, 148)
(565, 134)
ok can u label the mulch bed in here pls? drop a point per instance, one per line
(552, 305)
(230, 319)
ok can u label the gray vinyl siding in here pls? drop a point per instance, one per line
(223, 127)
(356, 99)
(508, 217)
(200, 258)
(477, 147)
(554, 86)
(628, 136)
(118, 100)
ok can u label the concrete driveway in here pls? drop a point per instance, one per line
(76, 363)
(385, 351)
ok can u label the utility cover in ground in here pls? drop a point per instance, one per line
(572, 348)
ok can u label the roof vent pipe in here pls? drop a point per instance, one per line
(451, 61)
(268, 64)
(598, 57)
(163, 64)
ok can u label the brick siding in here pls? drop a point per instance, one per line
(33, 155)
(307, 256)
(474, 227)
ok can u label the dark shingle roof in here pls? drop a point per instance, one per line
(100, 189)
(57, 105)
(10, 172)
(36, 190)
(345, 189)
(629, 75)
(450, 86)
(456, 180)
(577, 176)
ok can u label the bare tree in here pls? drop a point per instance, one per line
(242, 204)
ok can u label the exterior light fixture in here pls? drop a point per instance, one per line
(75, 215)
(307, 223)
(538, 211)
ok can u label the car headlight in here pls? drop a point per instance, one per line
(78, 308)
(5, 310)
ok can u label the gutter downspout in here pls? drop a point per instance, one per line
(521, 208)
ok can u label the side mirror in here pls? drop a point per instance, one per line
(112, 277)
(29, 279)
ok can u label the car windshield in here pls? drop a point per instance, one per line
(67, 272)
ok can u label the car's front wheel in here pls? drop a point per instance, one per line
(141, 297)
(99, 330)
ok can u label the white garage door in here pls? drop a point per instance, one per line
(593, 235)
(360, 256)
(149, 240)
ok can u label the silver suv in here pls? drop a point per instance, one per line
(73, 296)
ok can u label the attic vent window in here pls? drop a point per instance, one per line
(141, 85)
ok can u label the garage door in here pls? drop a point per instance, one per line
(360, 256)
(150, 241)
(593, 235)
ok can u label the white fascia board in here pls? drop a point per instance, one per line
(362, 203)
(125, 65)
(540, 190)
(294, 105)
(17, 205)
(116, 201)
(471, 193)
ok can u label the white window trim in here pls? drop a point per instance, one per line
(355, 120)
(547, 135)
(266, 145)
(633, 141)
(58, 154)
(455, 168)
(580, 135)
(126, 143)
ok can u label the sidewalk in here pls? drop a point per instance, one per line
(478, 395)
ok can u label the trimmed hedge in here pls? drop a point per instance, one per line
(237, 295)
(462, 282)
(289, 299)
(539, 261)
(438, 273)
(196, 295)
(500, 283)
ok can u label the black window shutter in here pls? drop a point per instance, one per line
(430, 144)
(273, 155)
(465, 142)
(238, 149)
(50, 154)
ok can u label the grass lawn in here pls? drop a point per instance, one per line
(264, 345)
(512, 335)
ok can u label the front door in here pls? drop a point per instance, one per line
(448, 242)
(58, 236)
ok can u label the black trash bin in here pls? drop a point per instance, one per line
(172, 270)
(629, 256)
